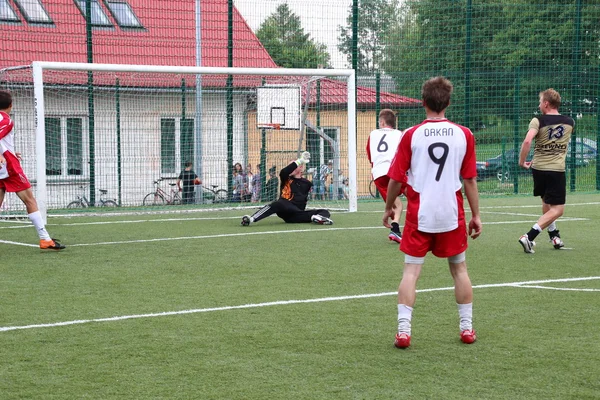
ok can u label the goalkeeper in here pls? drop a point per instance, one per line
(293, 195)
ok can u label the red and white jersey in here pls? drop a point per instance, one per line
(431, 158)
(7, 141)
(381, 148)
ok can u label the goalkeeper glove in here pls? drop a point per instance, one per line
(304, 158)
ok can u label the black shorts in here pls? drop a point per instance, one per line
(551, 186)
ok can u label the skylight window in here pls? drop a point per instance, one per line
(33, 11)
(99, 18)
(7, 13)
(123, 14)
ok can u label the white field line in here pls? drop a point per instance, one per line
(250, 233)
(284, 302)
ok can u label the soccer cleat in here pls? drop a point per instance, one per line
(402, 340)
(51, 244)
(396, 237)
(527, 244)
(321, 220)
(556, 240)
(246, 220)
(468, 336)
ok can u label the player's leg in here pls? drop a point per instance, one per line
(551, 187)
(320, 217)
(453, 245)
(381, 184)
(46, 242)
(415, 246)
(2, 193)
(407, 293)
(262, 213)
(463, 293)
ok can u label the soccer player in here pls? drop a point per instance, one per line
(552, 133)
(291, 205)
(432, 158)
(16, 181)
(381, 148)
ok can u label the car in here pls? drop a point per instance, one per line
(504, 165)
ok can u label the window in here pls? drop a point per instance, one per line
(123, 14)
(33, 11)
(99, 18)
(7, 13)
(64, 146)
(176, 144)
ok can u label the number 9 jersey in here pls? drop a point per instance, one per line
(381, 148)
(431, 158)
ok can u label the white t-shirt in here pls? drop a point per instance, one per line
(432, 157)
(381, 148)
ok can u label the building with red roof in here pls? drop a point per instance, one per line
(150, 128)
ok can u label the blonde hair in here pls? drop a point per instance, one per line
(552, 97)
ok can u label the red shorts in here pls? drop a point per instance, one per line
(382, 185)
(444, 244)
(16, 181)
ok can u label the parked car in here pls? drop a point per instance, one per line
(504, 165)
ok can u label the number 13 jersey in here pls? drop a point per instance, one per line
(431, 158)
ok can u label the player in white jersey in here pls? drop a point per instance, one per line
(381, 148)
(431, 159)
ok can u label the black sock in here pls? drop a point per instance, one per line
(553, 233)
(395, 227)
(532, 234)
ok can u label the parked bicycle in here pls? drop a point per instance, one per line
(83, 202)
(214, 194)
(160, 198)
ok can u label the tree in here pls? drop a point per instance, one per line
(516, 49)
(283, 37)
(375, 20)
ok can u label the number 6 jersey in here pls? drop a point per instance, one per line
(431, 158)
(381, 148)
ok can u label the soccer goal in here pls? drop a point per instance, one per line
(119, 133)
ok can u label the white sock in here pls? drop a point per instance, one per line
(537, 227)
(552, 227)
(404, 318)
(465, 312)
(38, 222)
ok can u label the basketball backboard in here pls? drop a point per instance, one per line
(278, 105)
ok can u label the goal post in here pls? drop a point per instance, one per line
(119, 128)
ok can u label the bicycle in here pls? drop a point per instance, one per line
(83, 202)
(160, 198)
(216, 195)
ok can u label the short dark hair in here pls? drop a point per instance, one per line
(436, 93)
(188, 164)
(5, 99)
(388, 117)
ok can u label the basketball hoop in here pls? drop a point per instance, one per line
(269, 126)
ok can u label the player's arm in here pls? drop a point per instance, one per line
(472, 193)
(369, 150)
(526, 146)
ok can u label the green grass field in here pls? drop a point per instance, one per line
(193, 306)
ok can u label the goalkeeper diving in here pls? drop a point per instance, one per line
(293, 195)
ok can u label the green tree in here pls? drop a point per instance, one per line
(515, 49)
(376, 19)
(284, 38)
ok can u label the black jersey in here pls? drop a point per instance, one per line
(295, 190)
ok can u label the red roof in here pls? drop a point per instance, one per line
(168, 38)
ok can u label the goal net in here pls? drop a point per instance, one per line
(96, 135)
